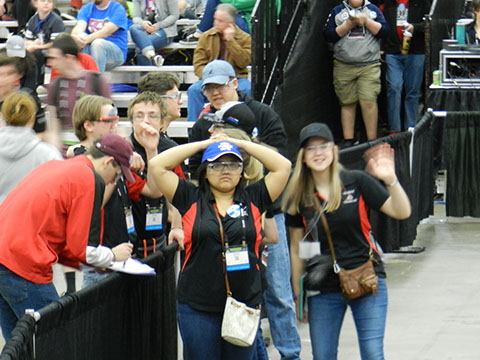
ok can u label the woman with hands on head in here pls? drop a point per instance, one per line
(320, 184)
(221, 191)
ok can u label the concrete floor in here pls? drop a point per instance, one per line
(434, 297)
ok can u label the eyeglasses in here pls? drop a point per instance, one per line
(108, 120)
(151, 116)
(228, 165)
(209, 89)
(174, 96)
(319, 148)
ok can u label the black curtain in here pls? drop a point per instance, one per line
(306, 94)
(20, 345)
(462, 158)
(121, 317)
(423, 169)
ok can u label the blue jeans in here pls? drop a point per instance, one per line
(207, 20)
(91, 277)
(18, 294)
(403, 70)
(196, 100)
(325, 318)
(202, 337)
(106, 54)
(146, 42)
(278, 296)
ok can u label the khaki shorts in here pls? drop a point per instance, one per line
(353, 82)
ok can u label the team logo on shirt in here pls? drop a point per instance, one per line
(348, 197)
(96, 25)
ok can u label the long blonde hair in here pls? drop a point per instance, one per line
(301, 193)
(252, 168)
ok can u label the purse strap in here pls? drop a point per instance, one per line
(326, 228)
(229, 293)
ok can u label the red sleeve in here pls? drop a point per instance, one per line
(179, 172)
(134, 189)
(87, 62)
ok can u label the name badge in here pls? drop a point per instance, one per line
(308, 249)
(265, 256)
(237, 258)
(129, 219)
(154, 218)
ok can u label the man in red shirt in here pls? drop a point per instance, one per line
(55, 215)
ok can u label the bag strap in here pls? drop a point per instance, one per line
(336, 267)
(229, 293)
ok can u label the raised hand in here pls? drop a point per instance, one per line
(381, 163)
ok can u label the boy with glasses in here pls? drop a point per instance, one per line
(154, 217)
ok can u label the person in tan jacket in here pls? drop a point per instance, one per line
(224, 41)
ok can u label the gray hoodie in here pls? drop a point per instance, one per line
(20, 152)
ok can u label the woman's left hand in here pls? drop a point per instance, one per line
(381, 163)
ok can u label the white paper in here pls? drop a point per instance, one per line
(132, 266)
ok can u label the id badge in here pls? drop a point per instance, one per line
(237, 258)
(265, 256)
(129, 219)
(154, 218)
(308, 249)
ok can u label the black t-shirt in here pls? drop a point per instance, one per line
(349, 225)
(201, 284)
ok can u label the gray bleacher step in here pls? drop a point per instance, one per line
(131, 74)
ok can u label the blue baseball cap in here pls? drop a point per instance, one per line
(217, 72)
(215, 150)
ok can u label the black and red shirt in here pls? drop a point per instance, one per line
(349, 224)
(201, 284)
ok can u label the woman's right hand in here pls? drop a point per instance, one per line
(148, 27)
(123, 251)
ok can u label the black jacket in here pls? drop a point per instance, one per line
(416, 12)
(270, 129)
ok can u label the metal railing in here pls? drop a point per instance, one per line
(274, 32)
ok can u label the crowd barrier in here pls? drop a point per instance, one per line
(121, 317)
(414, 168)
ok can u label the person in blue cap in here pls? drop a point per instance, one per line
(220, 196)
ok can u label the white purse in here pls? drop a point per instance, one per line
(240, 322)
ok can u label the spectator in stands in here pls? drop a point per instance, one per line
(244, 8)
(53, 215)
(21, 10)
(201, 291)
(472, 31)
(155, 26)
(11, 71)
(224, 41)
(404, 70)
(101, 31)
(270, 131)
(356, 28)
(95, 116)
(20, 150)
(153, 214)
(42, 28)
(65, 91)
(72, 13)
(320, 184)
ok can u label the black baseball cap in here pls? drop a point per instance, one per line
(315, 130)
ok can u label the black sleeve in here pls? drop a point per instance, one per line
(259, 196)
(198, 132)
(294, 221)
(374, 193)
(273, 132)
(185, 195)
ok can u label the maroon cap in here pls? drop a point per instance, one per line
(116, 146)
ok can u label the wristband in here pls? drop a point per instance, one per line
(393, 183)
(295, 297)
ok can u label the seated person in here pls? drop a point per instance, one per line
(225, 41)
(155, 26)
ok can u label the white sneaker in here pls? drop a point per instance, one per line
(158, 60)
